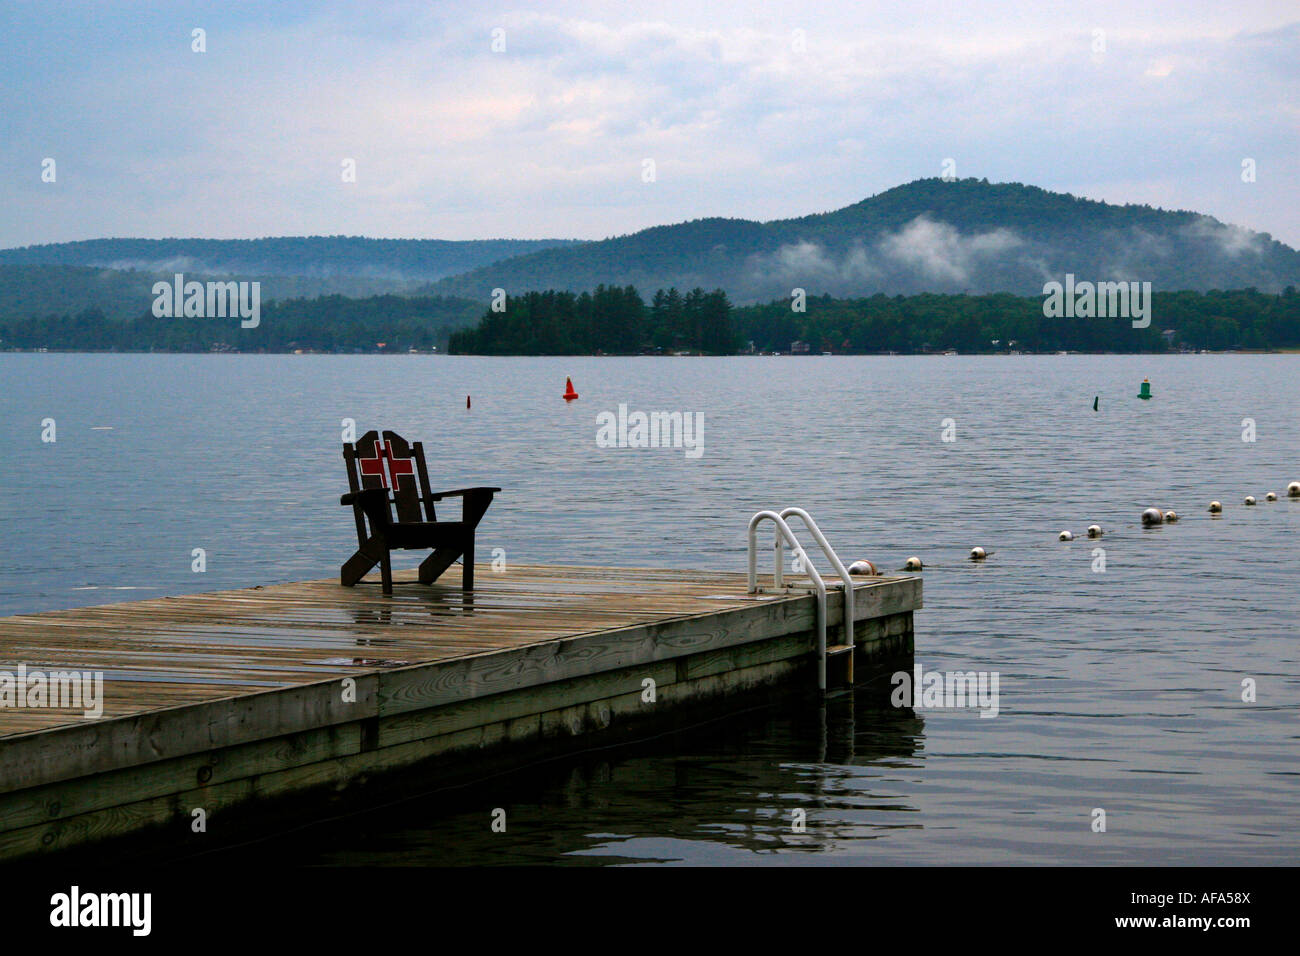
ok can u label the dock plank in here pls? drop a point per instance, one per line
(233, 698)
(170, 651)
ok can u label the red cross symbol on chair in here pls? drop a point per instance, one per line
(396, 467)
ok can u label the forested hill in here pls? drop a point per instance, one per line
(332, 323)
(32, 292)
(927, 236)
(314, 256)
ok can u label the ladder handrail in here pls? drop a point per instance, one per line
(836, 563)
(783, 531)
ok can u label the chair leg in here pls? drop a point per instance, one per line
(467, 565)
(386, 570)
(431, 568)
(354, 569)
(357, 566)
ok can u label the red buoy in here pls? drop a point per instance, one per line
(569, 393)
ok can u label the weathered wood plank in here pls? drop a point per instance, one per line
(174, 810)
(68, 798)
(89, 747)
(253, 678)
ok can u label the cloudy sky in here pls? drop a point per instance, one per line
(761, 110)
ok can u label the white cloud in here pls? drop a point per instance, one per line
(938, 251)
(924, 251)
(454, 141)
(1231, 240)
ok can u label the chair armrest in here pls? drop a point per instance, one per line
(374, 502)
(354, 497)
(459, 493)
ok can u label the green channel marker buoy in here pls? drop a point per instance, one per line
(1095, 400)
(1146, 389)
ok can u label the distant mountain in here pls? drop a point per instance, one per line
(331, 323)
(312, 256)
(927, 236)
(37, 291)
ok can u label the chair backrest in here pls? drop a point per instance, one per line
(388, 461)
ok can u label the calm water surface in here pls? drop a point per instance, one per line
(1119, 690)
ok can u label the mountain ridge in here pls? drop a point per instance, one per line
(929, 235)
(325, 257)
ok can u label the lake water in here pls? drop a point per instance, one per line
(1120, 690)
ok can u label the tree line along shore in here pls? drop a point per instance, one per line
(617, 320)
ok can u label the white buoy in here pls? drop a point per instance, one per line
(1250, 500)
(912, 564)
(1094, 531)
(1152, 516)
(978, 554)
(862, 567)
(1271, 496)
(1215, 507)
(1171, 516)
(1066, 536)
(1293, 490)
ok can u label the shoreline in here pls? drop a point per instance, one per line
(808, 355)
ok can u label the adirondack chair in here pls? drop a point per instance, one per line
(382, 467)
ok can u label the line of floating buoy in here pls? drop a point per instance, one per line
(1150, 518)
(1292, 491)
(1216, 506)
(865, 567)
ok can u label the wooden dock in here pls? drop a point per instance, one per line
(228, 701)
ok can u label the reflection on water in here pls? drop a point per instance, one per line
(1120, 690)
(720, 792)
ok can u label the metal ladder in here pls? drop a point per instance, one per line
(785, 535)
